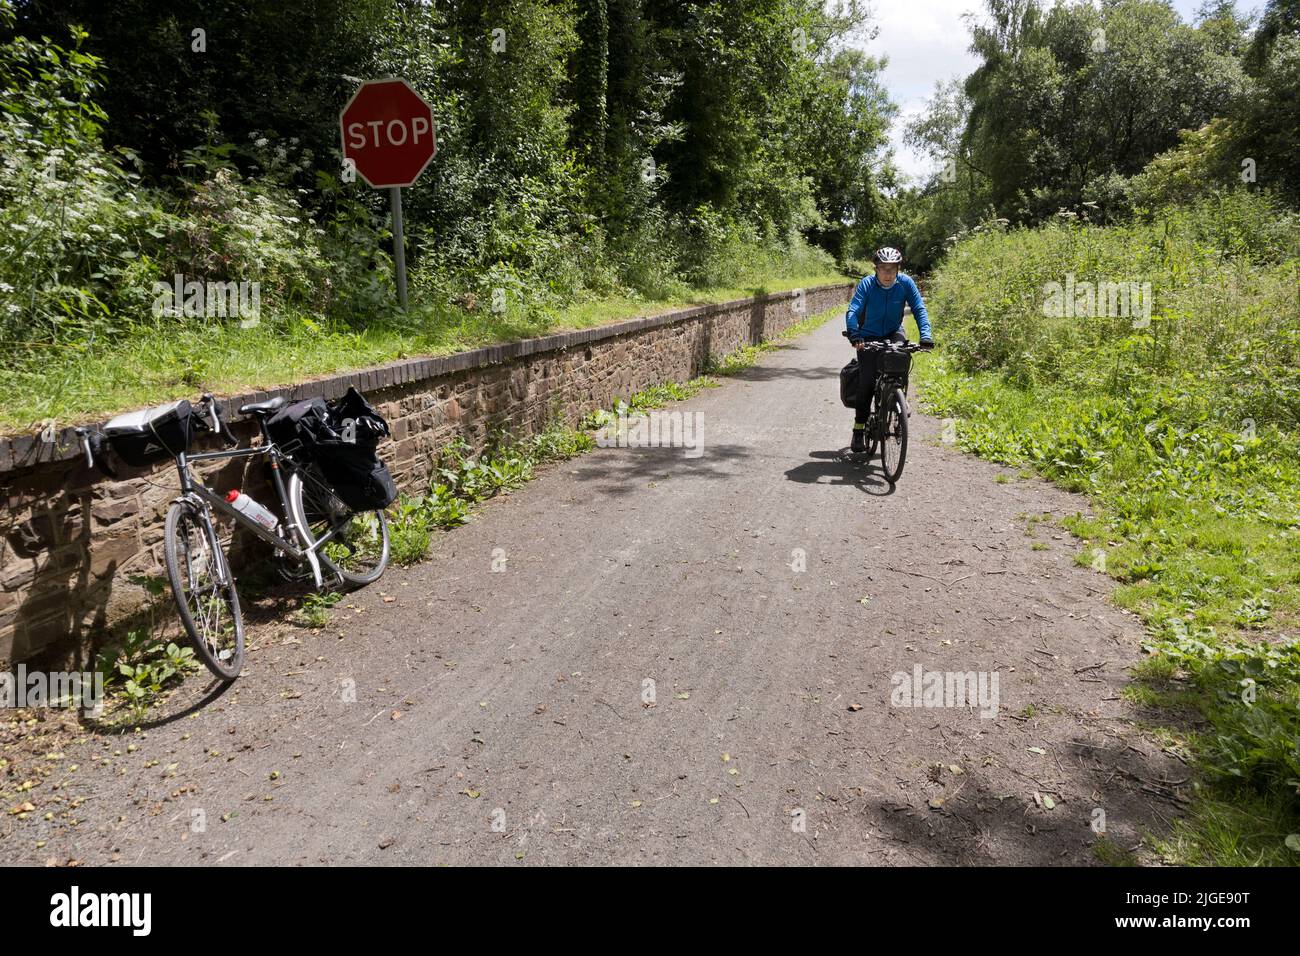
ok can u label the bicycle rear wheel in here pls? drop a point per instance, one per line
(358, 550)
(893, 442)
(209, 610)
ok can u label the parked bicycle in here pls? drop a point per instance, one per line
(314, 534)
(887, 423)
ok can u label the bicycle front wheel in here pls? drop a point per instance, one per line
(208, 609)
(893, 442)
(358, 548)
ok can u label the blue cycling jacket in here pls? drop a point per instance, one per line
(876, 312)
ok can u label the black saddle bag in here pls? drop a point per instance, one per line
(298, 426)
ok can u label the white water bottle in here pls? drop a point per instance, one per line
(250, 508)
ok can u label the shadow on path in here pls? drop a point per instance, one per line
(841, 469)
(622, 471)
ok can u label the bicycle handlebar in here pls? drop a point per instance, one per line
(89, 440)
(215, 423)
(885, 346)
(83, 436)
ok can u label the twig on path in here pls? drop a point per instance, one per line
(611, 707)
(915, 574)
(930, 577)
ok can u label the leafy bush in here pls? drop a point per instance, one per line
(720, 250)
(83, 242)
(74, 222)
(230, 229)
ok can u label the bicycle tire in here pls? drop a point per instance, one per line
(894, 436)
(318, 505)
(182, 518)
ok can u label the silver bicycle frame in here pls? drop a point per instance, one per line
(197, 492)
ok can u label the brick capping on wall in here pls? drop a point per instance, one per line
(70, 536)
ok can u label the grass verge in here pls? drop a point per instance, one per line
(156, 364)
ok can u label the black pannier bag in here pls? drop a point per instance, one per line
(359, 478)
(152, 435)
(849, 384)
(368, 424)
(340, 437)
(351, 466)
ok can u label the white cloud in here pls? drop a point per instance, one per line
(925, 41)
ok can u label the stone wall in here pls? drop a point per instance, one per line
(73, 541)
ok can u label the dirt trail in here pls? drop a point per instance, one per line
(502, 717)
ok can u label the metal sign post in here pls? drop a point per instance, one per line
(399, 245)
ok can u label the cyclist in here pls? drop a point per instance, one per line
(876, 315)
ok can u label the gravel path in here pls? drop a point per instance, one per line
(682, 660)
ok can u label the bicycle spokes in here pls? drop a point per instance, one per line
(204, 593)
(356, 539)
(356, 543)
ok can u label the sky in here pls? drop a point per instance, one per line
(926, 41)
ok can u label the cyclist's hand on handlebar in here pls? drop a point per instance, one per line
(927, 345)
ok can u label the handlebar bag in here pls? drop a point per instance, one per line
(152, 435)
(895, 364)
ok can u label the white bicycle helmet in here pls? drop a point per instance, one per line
(887, 256)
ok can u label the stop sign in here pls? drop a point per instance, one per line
(388, 132)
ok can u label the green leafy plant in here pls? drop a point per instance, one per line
(315, 610)
(140, 669)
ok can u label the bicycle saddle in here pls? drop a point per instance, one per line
(263, 408)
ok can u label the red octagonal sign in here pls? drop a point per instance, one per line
(388, 132)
